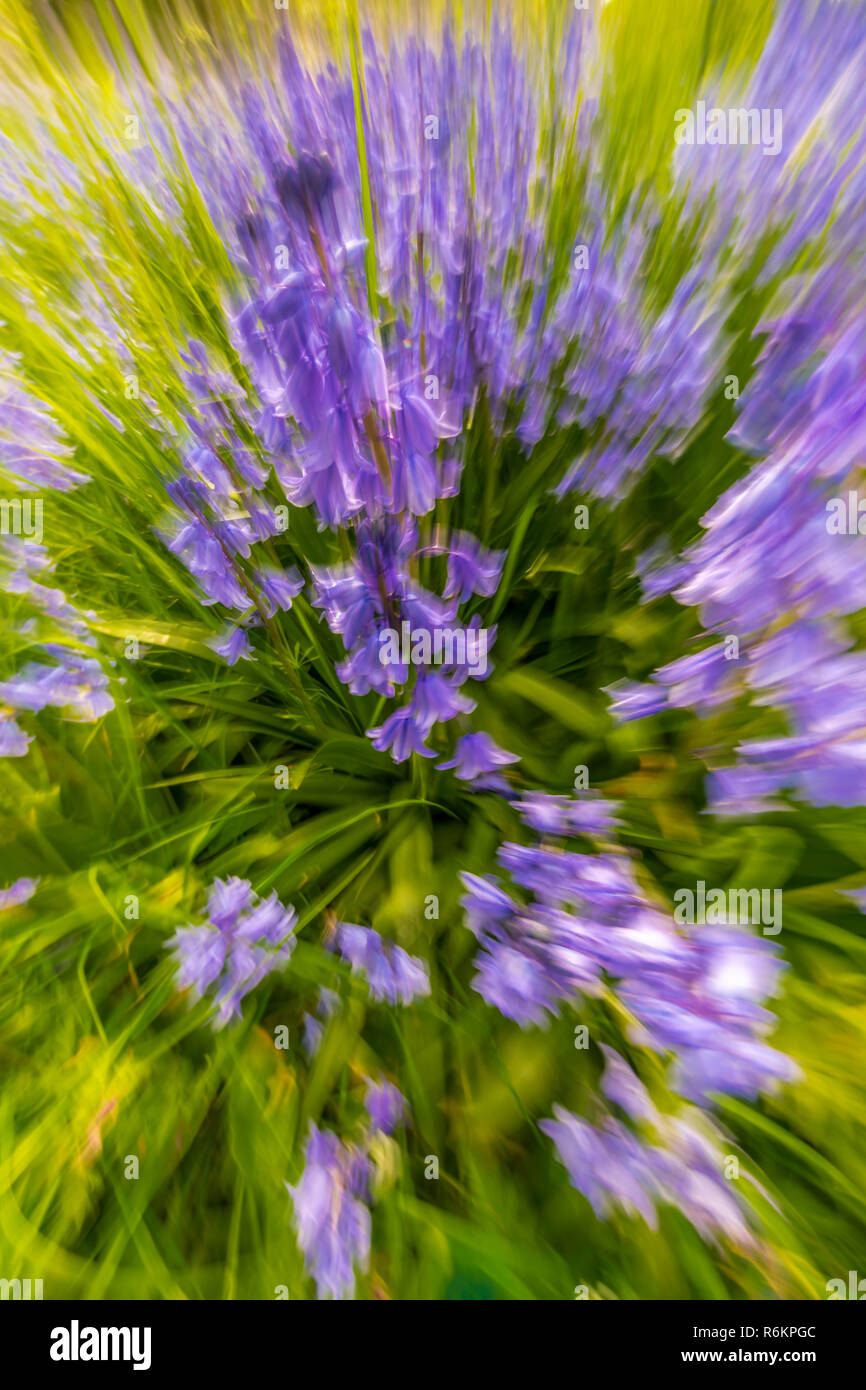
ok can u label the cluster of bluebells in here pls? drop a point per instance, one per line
(769, 569)
(636, 380)
(393, 288)
(741, 199)
(331, 1215)
(439, 316)
(389, 296)
(462, 300)
(392, 975)
(327, 1005)
(347, 429)
(377, 591)
(18, 893)
(356, 433)
(244, 939)
(331, 1201)
(33, 449)
(368, 361)
(65, 676)
(226, 518)
(570, 923)
(65, 671)
(650, 1159)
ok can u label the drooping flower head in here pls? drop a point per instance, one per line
(244, 939)
(331, 1217)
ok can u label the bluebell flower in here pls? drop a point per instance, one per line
(70, 681)
(330, 1213)
(635, 699)
(21, 891)
(385, 1106)
(402, 735)
(435, 700)
(562, 815)
(244, 939)
(32, 447)
(314, 1024)
(620, 1085)
(699, 995)
(475, 754)
(391, 973)
(14, 742)
(680, 1163)
(233, 645)
(471, 568)
(278, 588)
